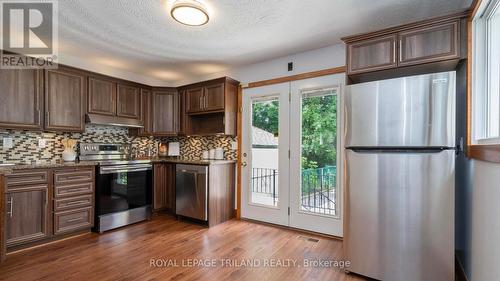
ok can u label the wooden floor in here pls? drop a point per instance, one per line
(125, 254)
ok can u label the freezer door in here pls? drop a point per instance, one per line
(400, 215)
(413, 111)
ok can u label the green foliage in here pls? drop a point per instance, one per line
(265, 116)
(319, 128)
(319, 131)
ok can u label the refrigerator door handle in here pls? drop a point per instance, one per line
(399, 150)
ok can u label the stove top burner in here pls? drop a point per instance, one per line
(109, 154)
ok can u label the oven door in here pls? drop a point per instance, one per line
(124, 187)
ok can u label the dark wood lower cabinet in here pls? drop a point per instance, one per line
(40, 204)
(72, 220)
(221, 193)
(27, 214)
(164, 187)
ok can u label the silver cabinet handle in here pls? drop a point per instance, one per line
(11, 202)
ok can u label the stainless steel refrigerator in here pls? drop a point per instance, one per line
(400, 178)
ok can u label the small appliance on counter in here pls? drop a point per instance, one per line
(174, 149)
(163, 149)
(214, 154)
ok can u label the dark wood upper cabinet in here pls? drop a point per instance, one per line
(102, 96)
(165, 112)
(431, 43)
(145, 113)
(372, 54)
(416, 48)
(128, 101)
(182, 113)
(214, 97)
(205, 98)
(211, 107)
(195, 99)
(65, 100)
(21, 98)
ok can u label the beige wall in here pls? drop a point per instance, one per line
(485, 248)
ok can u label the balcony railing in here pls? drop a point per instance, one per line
(318, 190)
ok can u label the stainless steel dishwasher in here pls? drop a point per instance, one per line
(191, 191)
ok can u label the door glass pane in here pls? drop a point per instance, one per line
(319, 152)
(264, 166)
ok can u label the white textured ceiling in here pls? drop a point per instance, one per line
(139, 37)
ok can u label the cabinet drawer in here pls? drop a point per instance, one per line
(73, 202)
(73, 220)
(73, 176)
(27, 177)
(74, 189)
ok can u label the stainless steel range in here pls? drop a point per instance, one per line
(123, 185)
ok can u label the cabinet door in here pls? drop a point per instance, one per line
(428, 44)
(165, 113)
(372, 54)
(64, 100)
(128, 102)
(164, 187)
(214, 97)
(145, 112)
(182, 113)
(27, 212)
(194, 100)
(102, 96)
(21, 98)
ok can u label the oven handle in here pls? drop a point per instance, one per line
(104, 171)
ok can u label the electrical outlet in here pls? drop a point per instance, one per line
(41, 143)
(234, 145)
(7, 143)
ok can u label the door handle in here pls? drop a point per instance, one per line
(243, 164)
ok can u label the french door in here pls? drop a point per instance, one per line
(292, 156)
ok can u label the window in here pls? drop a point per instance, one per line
(486, 74)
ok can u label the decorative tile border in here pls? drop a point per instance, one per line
(25, 143)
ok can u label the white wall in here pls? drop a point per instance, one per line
(485, 250)
(324, 58)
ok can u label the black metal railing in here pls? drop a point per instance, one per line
(265, 181)
(318, 188)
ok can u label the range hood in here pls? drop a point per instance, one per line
(113, 121)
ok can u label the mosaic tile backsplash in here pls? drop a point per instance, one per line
(25, 143)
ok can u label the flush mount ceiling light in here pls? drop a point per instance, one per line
(189, 12)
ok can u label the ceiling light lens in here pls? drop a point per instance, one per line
(189, 13)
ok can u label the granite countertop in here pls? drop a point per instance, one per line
(5, 170)
(42, 165)
(180, 160)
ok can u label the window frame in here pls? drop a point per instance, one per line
(479, 145)
(481, 73)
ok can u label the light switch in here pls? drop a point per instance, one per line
(234, 145)
(7, 143)
(41, 143)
